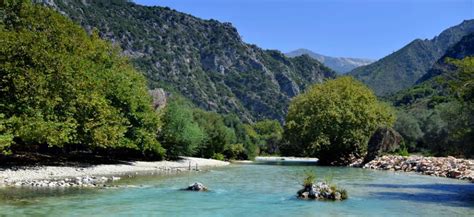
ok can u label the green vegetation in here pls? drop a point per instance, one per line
(440, 122)
(62, 88)
(334, 121)
(402, 69)
(191, 131)
(309, 178)
(180, 134)
(436, 115)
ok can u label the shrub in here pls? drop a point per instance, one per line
(218, 156)
(309, 178)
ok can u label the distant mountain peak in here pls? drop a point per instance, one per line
(339, 64)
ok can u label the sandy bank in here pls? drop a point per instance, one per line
(97, 174)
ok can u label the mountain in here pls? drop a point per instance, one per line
(442, 67)
(437, 114)
(203, 60)
(434, 87)
(339, 64)
(404, 67)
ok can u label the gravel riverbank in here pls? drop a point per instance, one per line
(449, 167)
(97, 175)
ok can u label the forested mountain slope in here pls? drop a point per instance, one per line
(404, 67)
(204, 60)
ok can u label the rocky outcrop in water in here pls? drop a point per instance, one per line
(434, 166)
(321, 191)
(196, 187)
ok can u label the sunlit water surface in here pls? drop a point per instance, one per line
(251, 190)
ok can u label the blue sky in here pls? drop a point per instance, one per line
(349, 28)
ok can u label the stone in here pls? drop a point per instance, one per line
(196, 187)
(382, 141)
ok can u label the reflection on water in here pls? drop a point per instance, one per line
(252, 190)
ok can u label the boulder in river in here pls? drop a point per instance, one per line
(196, 187)
(382, 141)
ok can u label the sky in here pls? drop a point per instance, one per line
(348, 28)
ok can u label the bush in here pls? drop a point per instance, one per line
(309, 178)
(218, 156)
(235, 152)
(334, 120)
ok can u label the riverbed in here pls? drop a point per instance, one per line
(251, 190)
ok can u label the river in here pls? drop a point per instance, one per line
(251, 190)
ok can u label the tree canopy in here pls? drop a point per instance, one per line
(61, 87)
(334, 120)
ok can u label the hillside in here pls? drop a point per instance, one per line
(404, 67)
(432, 87)
(437, 113)
(339, 64)
(203, 60)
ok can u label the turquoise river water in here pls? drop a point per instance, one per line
(251, 190)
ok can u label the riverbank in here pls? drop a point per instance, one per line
(97, 175)
(449, 167)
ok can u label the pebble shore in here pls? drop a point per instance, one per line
(98, 175)
(449, 167)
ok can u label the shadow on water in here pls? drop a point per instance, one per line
(28, 196)
(461, 195)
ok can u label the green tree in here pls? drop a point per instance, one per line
(180, 134)
(409, 127)
(334, 120)
(60, 87)
(216, 134)
(270, 134)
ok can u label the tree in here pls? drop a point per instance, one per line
(216, 134)
(180, 134)
(63, 88)
(270, 134)
(334, 120)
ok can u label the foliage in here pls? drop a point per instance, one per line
(61, 87)
(309, 178)
(218, 156)
(270, 133)
(216, 134)
(334, 120)
(6, 138)
(236, 152)
(442, 127)
(180, 134)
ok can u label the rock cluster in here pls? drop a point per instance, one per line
(196, 187)
(87, 181)
(321, 191)
(435, 166)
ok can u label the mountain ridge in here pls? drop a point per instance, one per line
(339, 64)
(404, 67)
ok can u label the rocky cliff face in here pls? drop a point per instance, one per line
(204, 60)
